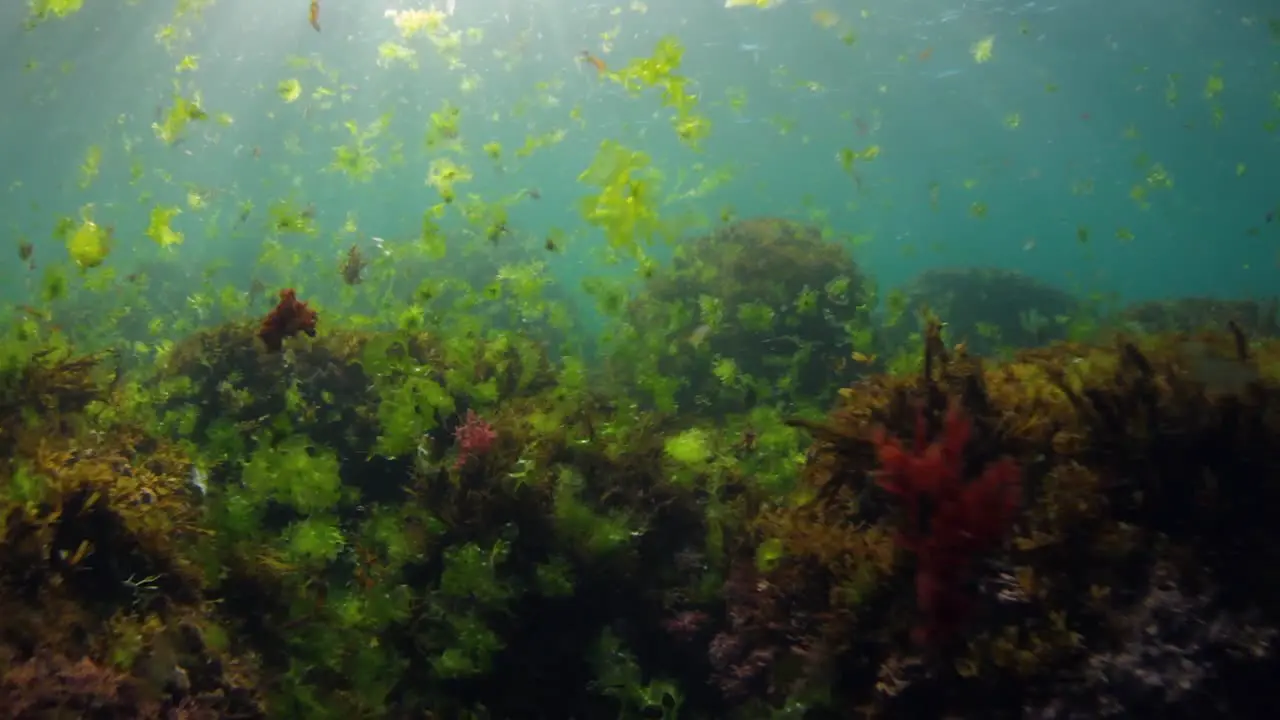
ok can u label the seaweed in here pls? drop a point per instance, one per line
(239, 535)
(289, 318)
(949, 519)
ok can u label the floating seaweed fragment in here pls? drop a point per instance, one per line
(352, 266)
(290, 317)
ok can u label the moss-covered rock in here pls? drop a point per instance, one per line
(1151, 457)
(345, 390)
(291, 534)
(761, 309)
(1257, 319)
(987, 309)
(99, 535)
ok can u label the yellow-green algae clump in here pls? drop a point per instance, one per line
(102, 602)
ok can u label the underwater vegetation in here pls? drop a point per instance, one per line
(519, 362)
(289, 318)
(344, 526)
(99, 526)
(1145, 469)
(988, 309)
(1256, 318)
(760, 307)
(374, 523)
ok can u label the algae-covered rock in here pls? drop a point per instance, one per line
(99, 537)
(287, 585)
(977, 539)
(989, 308)
(346, 390)
(1257, 319)
(760, 308)
(1146, 458)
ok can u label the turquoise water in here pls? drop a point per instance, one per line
(582, 429)
(1100, 94)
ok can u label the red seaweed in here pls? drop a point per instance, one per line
(290, 317)
(949, 519)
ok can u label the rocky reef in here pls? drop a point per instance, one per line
(1147, 472)
(105, 608)
(398, 525)
(988, 309)
(759, 308)
(1258, 319)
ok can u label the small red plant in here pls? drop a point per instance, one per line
(54, 686)
(290, 317)
(686, 624)
(474, 437)
(949, 519)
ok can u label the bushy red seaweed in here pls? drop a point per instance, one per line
(51, 686)
(949, 520)
(742, 655)
(290, 317)
(474, 436)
